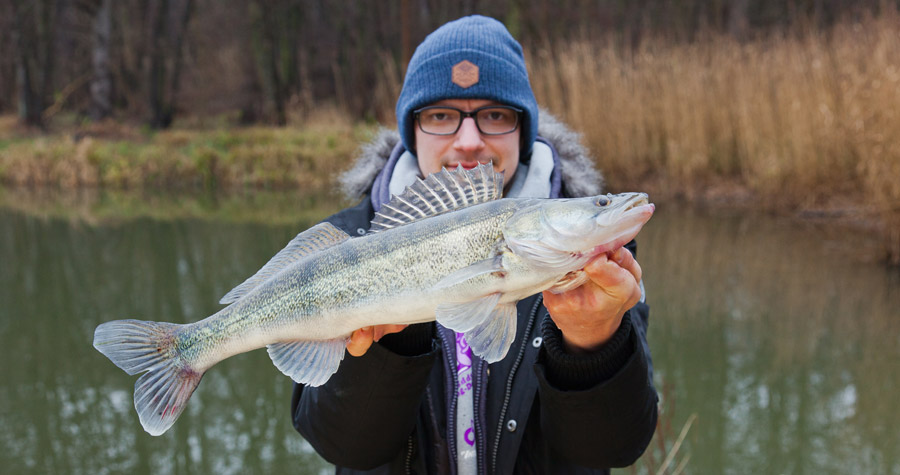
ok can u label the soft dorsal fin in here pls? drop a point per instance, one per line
(316, 238)
(440, 193)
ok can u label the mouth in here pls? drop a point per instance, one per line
(466, 164)
(639, 205)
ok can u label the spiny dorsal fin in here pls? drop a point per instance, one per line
(316, 238)
(440, 193)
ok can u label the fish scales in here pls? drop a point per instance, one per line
(347, 286)
(466, 267)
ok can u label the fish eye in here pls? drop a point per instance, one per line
(602, 201)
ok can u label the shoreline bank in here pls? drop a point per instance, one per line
(852, 229)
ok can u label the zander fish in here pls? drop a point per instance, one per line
(447, 249)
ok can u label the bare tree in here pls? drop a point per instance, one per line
(254, 57)
(34, 31)
(167, 36)
(101, 79)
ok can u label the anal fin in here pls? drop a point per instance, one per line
(310, 362)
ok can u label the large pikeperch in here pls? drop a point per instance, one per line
(447, 249)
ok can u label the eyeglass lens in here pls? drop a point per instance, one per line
(490, 120)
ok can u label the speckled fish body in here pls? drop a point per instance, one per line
(382, 278)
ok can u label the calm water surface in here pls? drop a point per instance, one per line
(785, 347)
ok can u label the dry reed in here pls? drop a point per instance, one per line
(307, 155)
(805, 120)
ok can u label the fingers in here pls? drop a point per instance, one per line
(382, 330)
(626, 260)
(360, 341)
(614, 269)
(554, 302)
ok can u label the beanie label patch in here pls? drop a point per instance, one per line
(465, 74)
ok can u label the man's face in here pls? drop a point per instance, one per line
(468, 147)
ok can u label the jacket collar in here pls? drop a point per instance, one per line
(580, 176)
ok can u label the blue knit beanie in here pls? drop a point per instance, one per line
(474, 57)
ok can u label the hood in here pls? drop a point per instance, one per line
(580, 176)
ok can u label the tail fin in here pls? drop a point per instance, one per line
(136, 346)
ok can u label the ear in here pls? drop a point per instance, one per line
(415, 130)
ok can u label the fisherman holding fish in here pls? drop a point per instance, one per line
(574, 392)
(496, 322)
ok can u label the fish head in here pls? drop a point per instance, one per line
(567, 232)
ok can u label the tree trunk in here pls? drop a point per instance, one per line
(30, 103)
(101, 80)
(162, 82)
(156, 74)
(178, 60)
(272, 20)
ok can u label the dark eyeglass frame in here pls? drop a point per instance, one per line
(473, 114)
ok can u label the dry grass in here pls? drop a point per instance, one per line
(306, 155)
(803, 121)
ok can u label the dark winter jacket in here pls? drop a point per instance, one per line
(539, 410)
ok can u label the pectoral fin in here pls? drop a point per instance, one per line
(494, 264)
(491, 340)
(309, 362)
(570, 281)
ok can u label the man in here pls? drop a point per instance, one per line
(575, 391)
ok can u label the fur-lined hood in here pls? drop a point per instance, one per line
(579, 175)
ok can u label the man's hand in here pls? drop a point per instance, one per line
(589, 315)
(362, 339)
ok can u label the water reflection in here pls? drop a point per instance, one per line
(68, 410)
(785, 349)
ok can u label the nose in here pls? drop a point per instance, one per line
(468, 137)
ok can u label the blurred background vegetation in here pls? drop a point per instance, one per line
(790, 105)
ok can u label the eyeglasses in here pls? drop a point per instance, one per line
(490, 120)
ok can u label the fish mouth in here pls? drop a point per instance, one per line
(638, 201)
(637, 205)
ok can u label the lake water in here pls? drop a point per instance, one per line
(780, 346)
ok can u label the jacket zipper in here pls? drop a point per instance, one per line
(479, 431)
(409, 454)
(449, 365)
(509, 381)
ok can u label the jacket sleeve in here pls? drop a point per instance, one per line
(599, 410)
(362, 417)
(598, 422)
